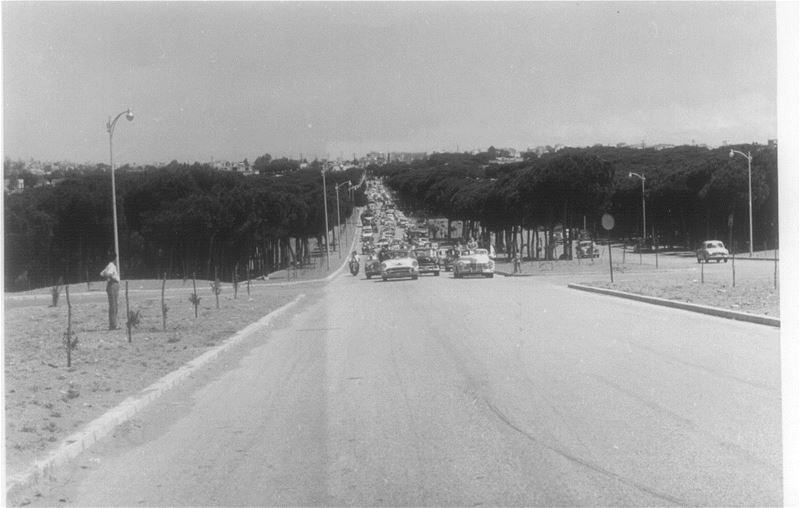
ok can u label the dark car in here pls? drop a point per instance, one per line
(372, 266)
(428, 261)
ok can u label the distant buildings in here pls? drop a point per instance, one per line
(242, 167)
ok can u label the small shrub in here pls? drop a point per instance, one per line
(71, 340)
(195, 301)
(55, 293)
(216, 288)
(134, 319)
(70, 394)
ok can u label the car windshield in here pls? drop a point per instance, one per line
(397, 254)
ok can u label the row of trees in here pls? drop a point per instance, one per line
(185, 219)
(691, 193)
(180, 219)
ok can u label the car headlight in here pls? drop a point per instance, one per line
(383, 266)
(414, 264)
(491, 265)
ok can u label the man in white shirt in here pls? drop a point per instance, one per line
(111, 275)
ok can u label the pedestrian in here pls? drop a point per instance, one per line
(517, 263)
(111, 275)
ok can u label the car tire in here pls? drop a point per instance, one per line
(368, 277)
(489, 275)
(436, 273)
(384, 279)
(726, 260)
(414, 277)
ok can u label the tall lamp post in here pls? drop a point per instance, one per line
(325, 201)
(749, 191)
(644, 223)
(110, 128)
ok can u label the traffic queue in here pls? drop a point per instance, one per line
(396, 246)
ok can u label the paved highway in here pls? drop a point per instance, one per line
(509, 391)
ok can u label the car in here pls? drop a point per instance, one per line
(372, 266)
(399, 264)
(447, 257)
(428, 261)
(712, 249)
(587, 249)
(474, 262)
(441, 254)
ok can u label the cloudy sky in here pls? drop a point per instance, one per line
(229, 80)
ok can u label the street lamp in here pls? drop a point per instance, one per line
(749, 191)
(110, 128)
(325, 200)
(644, 223)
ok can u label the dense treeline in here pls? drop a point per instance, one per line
(691, 193)
(180, 219)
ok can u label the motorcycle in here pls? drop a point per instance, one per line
(354, 267)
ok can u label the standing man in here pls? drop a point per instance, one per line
(111, 275)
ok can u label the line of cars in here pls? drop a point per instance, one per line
(402, 262)
(403, 249)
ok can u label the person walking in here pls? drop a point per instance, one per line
(111, 275)
(517, 262)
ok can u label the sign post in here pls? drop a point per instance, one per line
(608, 224)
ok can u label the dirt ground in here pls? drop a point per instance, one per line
(46, 401)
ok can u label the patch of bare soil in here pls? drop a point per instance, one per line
(46, 401)
(750, 296)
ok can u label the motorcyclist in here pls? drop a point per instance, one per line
(354, 265)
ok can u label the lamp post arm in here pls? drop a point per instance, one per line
(112, 124)
(745, 155)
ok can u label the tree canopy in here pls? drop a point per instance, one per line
(180, 219)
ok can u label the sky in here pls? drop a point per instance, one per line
(236, 80)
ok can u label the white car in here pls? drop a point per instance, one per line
(399, 264)
(712, 249)
(476, 262)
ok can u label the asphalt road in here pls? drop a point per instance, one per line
(509, 391)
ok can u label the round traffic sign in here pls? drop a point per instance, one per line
(607, 221)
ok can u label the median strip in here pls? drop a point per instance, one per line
(693, 307)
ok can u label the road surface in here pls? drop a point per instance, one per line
(509, 391)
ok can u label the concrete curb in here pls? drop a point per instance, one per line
(693, 307)
(76, 443)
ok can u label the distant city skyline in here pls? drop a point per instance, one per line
(235, 80)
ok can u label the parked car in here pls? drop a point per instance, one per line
(428, 261)
(712, 249)
(399, 264)
(475, 262)
(587, 249)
